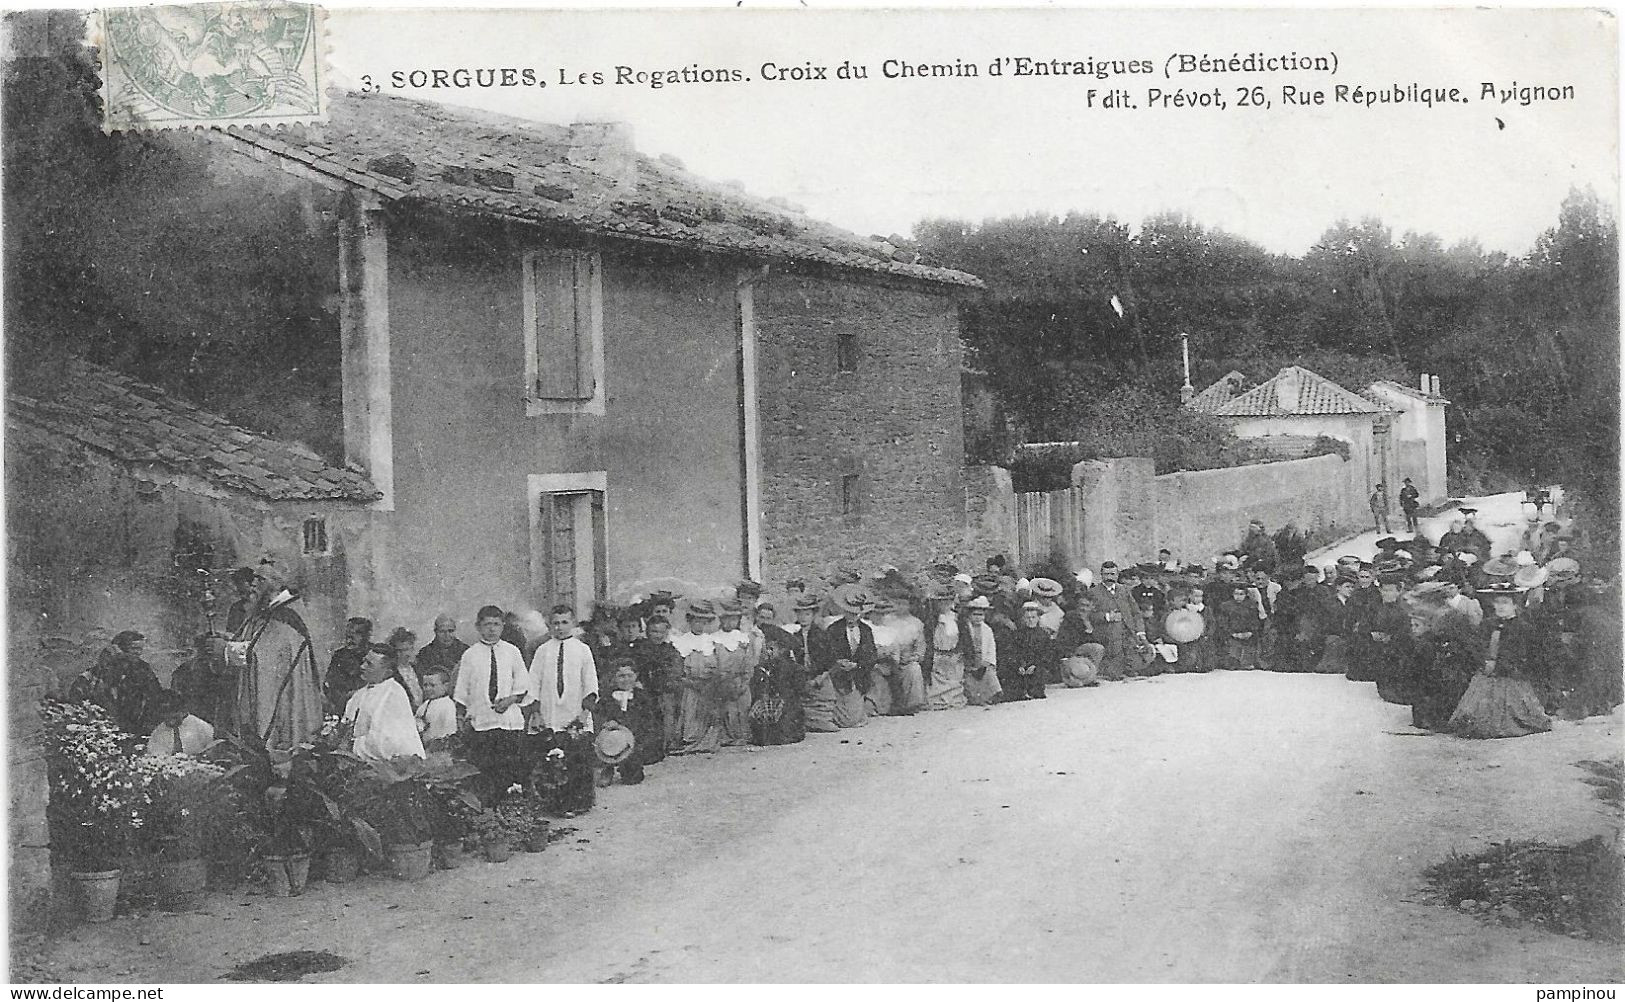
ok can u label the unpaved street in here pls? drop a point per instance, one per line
(1222, 827)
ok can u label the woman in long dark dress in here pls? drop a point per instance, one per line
(775, 693)
(1501, 701)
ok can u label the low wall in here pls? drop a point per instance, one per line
(1118, 509)
(1205, 512)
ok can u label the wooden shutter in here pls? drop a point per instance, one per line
(560, 312)
(600, 549)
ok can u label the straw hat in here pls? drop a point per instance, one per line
(1047, 588)
(613, 745)
(850, 598)
(1562, 570)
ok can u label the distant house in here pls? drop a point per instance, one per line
(571, 372)
(1392, 432)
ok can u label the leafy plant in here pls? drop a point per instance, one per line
(406, 801)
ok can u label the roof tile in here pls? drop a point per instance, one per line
(549, 175)
(1304, 392)
(148, 425)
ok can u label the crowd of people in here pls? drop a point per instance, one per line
(1478, 644)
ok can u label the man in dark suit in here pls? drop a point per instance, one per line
(848, 639)
(1117, 623)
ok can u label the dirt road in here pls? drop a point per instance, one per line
(1223, 827)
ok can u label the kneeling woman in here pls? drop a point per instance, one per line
(1501, 701)
(775, 693)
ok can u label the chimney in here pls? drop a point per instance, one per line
(1436, 390)
(605, 148)
(1424, 382)
(1287, 384)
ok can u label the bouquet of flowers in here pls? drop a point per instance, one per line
(96, 802)
(188, 803)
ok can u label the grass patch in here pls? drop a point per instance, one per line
(1572, 890)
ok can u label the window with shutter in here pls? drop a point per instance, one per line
(563, 332)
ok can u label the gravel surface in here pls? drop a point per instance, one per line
(1229, 827)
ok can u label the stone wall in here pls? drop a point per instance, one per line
(1119, 510)
(1202, 513)
(990, 512)
(893, 424)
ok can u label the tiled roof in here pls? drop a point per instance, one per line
(1306, 393)
(139, 424)
(1222, 390)
(1416, 393)
(585, 177)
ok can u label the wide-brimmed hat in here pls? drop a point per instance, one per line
(1501, 589)
(1529, 577)
(987, 584)
(850, 598)
(1229, 560)
(1500, 567)
(883, 606)
(747, 587)
(1047, 588)
(1031, 607)
(979, 602)
(1183, 626)
(701, 609)
(808, 603)
(1524, 559)
(1562, 570)
(613, 745)
(1387, 543)
(730, 607)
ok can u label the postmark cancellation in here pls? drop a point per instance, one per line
(211, 64)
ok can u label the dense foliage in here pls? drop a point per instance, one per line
(1078, 336)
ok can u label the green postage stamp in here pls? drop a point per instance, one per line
(211, 64)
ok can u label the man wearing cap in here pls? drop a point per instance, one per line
(1472, 537)
(123, 684)
(443, 652)
(279, 694)
(1379, 507)
(1258, 547)
(846, 651)
(1410, 499)
(1116, 622)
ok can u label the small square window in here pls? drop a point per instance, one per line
(846, 352)
(849, 495)
(315, 535)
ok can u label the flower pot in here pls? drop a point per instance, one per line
(497, 850)
(448, 855)
(298, 872)
(183, 883)
(277, 883)
(536, 841)
(341, 864)
(98, 894)
(409, 862)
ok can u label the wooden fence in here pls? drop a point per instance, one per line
(1049, 526)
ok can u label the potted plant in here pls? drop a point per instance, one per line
(455, 813)
(526, 821)
(283, 806)
(404, 808)
(188, 803)
(496, 835)
(94, 805)
(341, 782)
